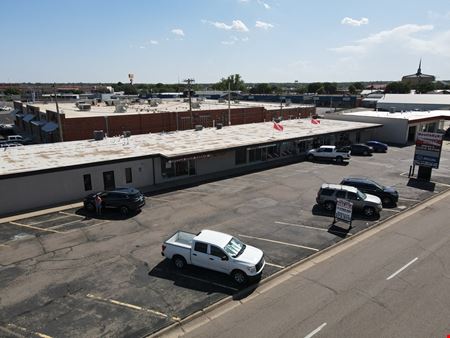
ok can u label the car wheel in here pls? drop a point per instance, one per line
(89, 206)
(369, 211)
(310, 157)
(239, 277)
(339, 159)
(387, 200)
(124, 210)
(179, 262)
(329, 206)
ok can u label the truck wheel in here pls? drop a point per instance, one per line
(310, 157)
(179, 262)
(339, 159)
(329, 206)
(369, 211)
(239, 277)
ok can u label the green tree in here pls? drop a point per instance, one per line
(329, 88)
(424, 88)
(358, 86)
(235, 81)
(261, 88)
(314, 87)
(397, 88)
(11, 91)
(352, 89)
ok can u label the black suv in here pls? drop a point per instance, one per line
(124, 199)
(360, 149)
(388, 195)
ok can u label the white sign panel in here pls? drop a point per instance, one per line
(344, 210)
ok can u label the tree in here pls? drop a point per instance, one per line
(397, 88)
(329, 88)
(314, 87)
(235, 81)
(352, 89)
(261, 88)
(11, 91)
(358, 86)
(423, 88)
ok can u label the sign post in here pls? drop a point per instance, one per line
(343, 212)
(427, 153)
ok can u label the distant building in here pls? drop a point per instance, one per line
(406, 102)
(418, 78)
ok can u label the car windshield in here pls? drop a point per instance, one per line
(361, 195)
(234, 247)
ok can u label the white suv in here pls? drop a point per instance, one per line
(329, 193)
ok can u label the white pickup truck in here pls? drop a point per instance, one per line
(328, 153)
(215, 251)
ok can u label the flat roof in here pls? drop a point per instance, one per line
(415, 98)
(171, 145)
(409, 115)
(166, 105)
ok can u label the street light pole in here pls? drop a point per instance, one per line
(229, 103)
(59, 116)
(189, 81)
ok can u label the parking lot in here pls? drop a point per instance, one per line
(71, 273)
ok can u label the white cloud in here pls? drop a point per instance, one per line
(153, 42)
(244, 39)
(354, 22)
(178, 31)
(400, 36)
(265, 5)
(141, 47)
(236, 25)
(263, 25)
(227, 42)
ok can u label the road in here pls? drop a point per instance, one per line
(394, 283)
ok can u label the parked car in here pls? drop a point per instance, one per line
(388, 195)
(359, 149)
(328, 153)
(378, 147)
(328, 194)
(124, 199)
(215, 251)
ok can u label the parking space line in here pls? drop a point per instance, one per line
(207, 281)
(193, 192)
(392, 210)
(64, 224)
(70, 214)
(131, 306)
(35, 228)
(301, 226)
(278, 242)
(402, 268)
(22, 329)
(408, 199)
(312, 333)
(49, 220)
(275, 265)
(158, 199)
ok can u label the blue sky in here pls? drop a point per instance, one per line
(263, 40)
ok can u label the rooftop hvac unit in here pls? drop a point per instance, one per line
(126, 133)
(99, 135)
(198, 127)
(185, 100)
(219, 125)
(236, 101)
(120, 108)
(84, 106)
(153, 103)
(221, 100)
(392, 110)
(195, 105)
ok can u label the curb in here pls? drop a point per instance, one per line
(178, 326)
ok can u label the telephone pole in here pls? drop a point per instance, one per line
(189, 81)
(59, 116)
(229, 100)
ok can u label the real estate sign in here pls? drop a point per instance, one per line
(428, 149)
(344, 210)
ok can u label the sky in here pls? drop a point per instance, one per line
(262, 40)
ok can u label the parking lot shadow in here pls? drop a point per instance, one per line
(196, 278)
(338, 231)
(108, 214)
(317, 210)
(343, 163)
(421, 184)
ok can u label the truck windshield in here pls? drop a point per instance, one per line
(234, 247)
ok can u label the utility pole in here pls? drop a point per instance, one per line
(189, 81)
(229, 102)
(59, 116)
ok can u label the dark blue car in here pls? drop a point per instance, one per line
(377, 146)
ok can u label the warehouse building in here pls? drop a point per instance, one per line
(407, 102)
(398, 128)
(49, 174)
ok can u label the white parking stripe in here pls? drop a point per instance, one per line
(408, 199)
(402, 268)
(33, 227)
(279, 242)
(70, 214)
(275, 265)
(301, 226)
(312, 333)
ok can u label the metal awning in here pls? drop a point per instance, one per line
(49, 127)
(28, 117)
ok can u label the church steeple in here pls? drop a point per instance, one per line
(419, 70)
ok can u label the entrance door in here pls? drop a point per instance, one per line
(108, 180)
(412, 133)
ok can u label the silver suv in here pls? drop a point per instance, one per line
(329, 193)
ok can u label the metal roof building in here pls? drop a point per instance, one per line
(407, 102)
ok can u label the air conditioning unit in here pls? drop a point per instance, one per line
(219, 125)
(126, 133)
(198, 127)
(99, 135)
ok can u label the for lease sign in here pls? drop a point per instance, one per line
(344, 210)
(428, 149)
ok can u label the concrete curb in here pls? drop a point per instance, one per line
(176, 329)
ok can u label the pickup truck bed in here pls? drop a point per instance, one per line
(182, 238)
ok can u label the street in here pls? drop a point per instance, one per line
(395, 283)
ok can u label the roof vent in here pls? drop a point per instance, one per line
(219, 125)
(198, 127)
(126, 133)
(99, 135)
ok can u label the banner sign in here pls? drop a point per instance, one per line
(428, 149)
(344, 210)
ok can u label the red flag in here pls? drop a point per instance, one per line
(315, 121)
(277, 126)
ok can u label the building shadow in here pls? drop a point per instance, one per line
(421, 184)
